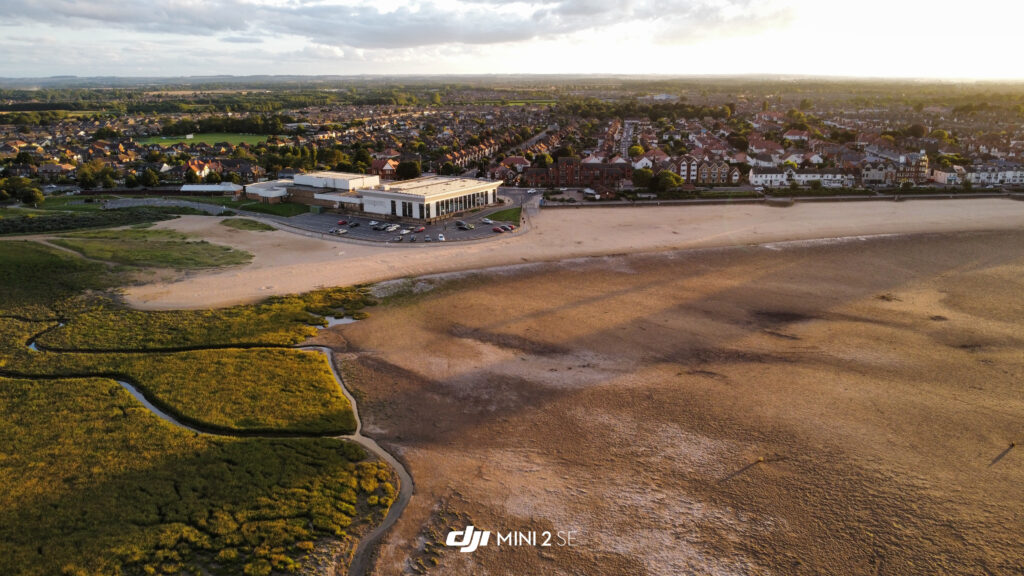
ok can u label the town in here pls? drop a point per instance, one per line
(617, 139)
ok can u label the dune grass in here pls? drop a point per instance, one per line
(247, 224)
(157, 248)
(91, 483)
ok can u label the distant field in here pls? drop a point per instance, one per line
(208, 138)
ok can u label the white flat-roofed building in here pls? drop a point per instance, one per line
(429, 198)
(336, 180)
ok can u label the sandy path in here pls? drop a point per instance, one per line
(286, 263)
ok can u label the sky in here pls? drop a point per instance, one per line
(869, 38)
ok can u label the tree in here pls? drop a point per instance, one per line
(407, 170)
(635, 151)
(738, 141)
(191, 177)
(150, 178)
(213, 178)
(435, 98)
(130, 181)
(666, 180)
(447, 169)
(543, 160)
(806, 104)
(815, 184)
(916, 131)
(643, 177)
(32, 196)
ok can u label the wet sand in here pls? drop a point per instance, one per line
(286, 263)
(831, 407)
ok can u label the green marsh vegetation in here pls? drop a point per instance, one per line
(93, 483)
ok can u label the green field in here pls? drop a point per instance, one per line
(207, 138)
(159, 248)
(247, 224)
(508, 215)
(285, 209)
(92, 483)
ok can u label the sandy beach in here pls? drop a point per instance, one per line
(287, 263)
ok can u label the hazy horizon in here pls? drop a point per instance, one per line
(872, 39)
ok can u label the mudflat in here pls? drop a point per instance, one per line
(826, 407)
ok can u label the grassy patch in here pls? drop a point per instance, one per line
(286, 209)
(206, 138)
(74, 203)
(508, 215)
(161, 248)
(247, 224)
(92, 483)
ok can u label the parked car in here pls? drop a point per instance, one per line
(487, 221)
(342, 222)
(497, 229)
(427, 238)
(353, 224)
(420, 229)
(440, 237)
(393, 227)
(405, 231)
(338, 231)
(373, 223)
(511, 226)
(412, 238)
(506, 228)
(398, 238)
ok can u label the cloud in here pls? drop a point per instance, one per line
(403, 25)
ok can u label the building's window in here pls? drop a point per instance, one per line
(394, 208)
